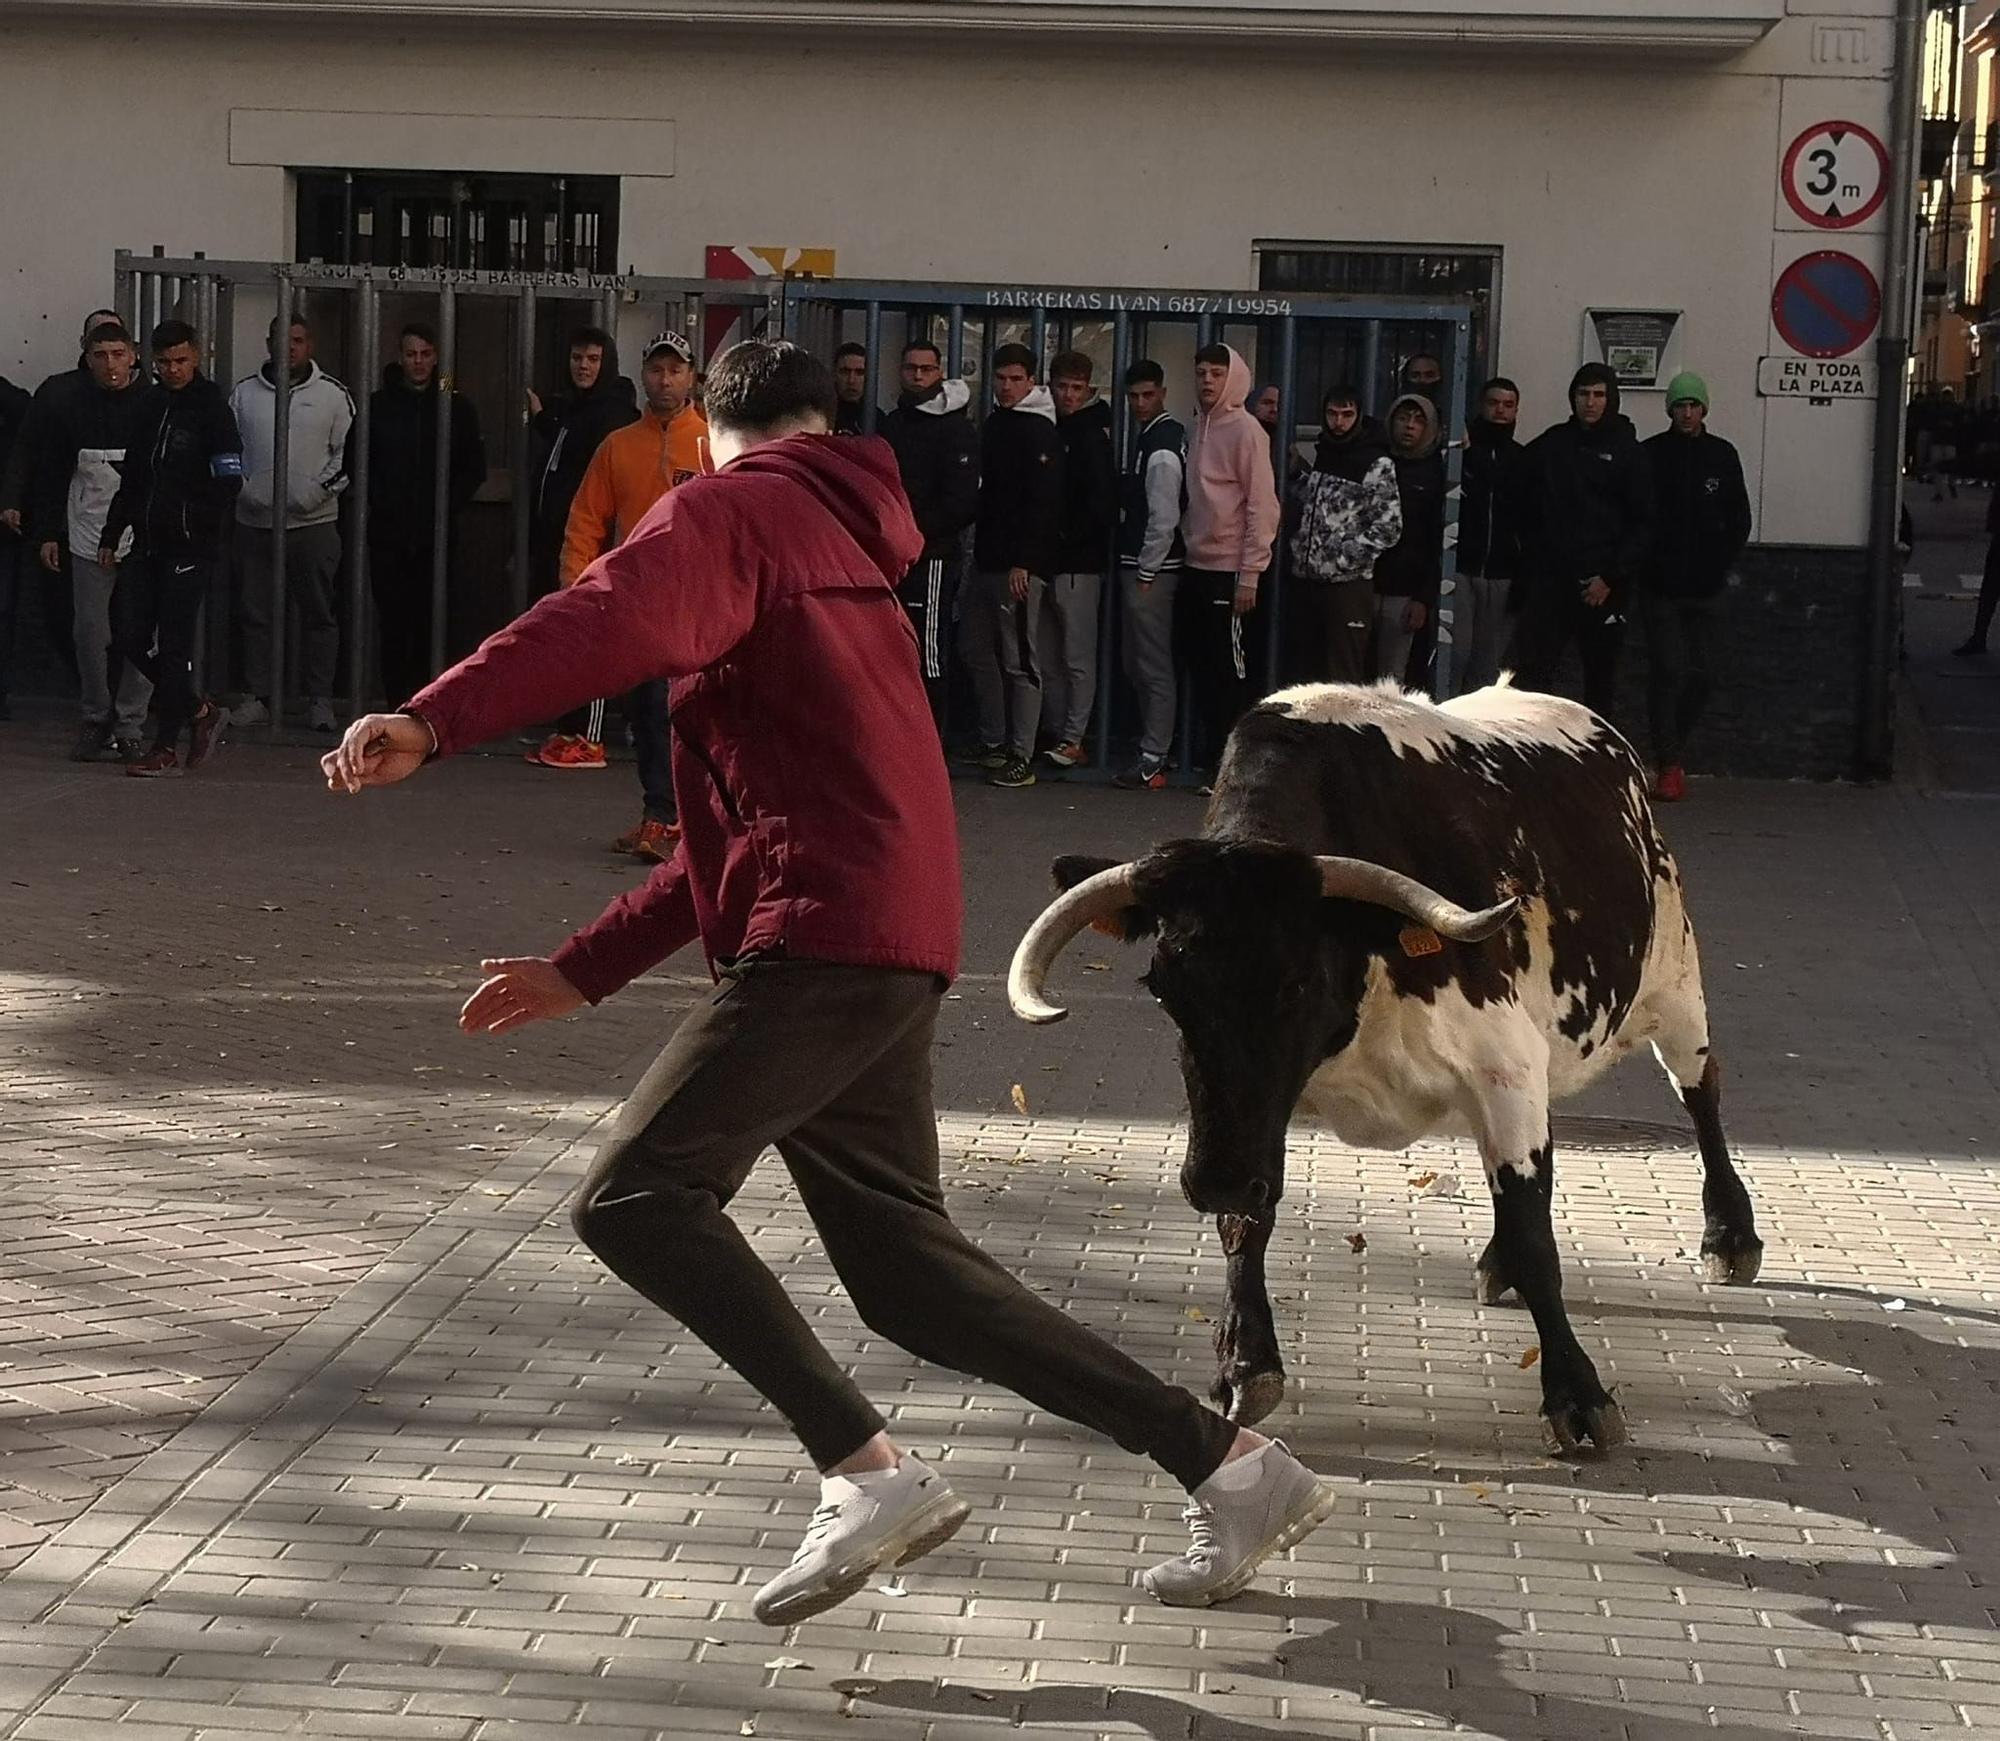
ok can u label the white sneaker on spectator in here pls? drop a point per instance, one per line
(249, 711)
(320, 716)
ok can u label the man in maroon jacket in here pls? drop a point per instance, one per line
(818, 864)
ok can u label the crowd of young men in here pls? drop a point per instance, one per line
(1025, 516)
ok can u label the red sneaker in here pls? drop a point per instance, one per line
(564, 751)
(205, 734)
(154, 765)
(1672, 785)
(656, 840)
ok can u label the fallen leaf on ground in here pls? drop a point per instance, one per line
(854, 1688)
(1418, 1181)
(1481, 1491)
(1529, 1356)
(1197, 1314)
(1357, 1242)
(1020, 1098)
(782, 1662)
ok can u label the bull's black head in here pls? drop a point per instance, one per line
(1262, 974)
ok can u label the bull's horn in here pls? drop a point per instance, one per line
(1097, 897)
(1356, 879)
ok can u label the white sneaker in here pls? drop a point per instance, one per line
(1236, 1529)
(319, 717)
(862, 1522)
(249, 711)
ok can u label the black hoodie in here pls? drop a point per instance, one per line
(1489, 522)
(402, 460)
(1587, 501)
(570, 427)
(1090, 490)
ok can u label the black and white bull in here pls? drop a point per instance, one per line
(1407, 918)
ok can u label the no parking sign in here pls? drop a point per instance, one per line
(1826, 304)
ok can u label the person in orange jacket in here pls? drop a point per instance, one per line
(632, 469)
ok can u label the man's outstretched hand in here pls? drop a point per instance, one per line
(378, 749)
(518, 990)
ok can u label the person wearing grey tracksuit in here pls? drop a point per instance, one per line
(1151, 495)
(321, 413)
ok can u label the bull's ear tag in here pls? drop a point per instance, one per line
(1420, 940)
(1108, 928)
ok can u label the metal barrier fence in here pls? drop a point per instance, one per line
(1282, 336)
(224, 299)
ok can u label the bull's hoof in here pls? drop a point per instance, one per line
(1490, 1287)
(1247, 1397)
(1573, 1429)
(1732, 1266)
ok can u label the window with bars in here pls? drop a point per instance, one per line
(461, 222)
(1423, 274)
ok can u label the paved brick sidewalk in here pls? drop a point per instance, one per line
(307, 1433)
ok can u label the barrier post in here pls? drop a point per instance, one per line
(279, 351)
(524, 451)
(441, 482)
(370, 318)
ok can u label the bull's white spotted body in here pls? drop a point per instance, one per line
(1301, 989)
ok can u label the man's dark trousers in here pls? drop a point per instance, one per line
(1682, 641)
(831, 1063)
(155, 618)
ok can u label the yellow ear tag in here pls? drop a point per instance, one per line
(1420, 940)
(1107, 928)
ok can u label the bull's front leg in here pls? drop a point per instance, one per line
(1250, 1378)
(1520, 1167)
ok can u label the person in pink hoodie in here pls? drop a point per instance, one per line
(1230, 525)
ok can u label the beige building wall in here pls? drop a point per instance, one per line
(1604, 182)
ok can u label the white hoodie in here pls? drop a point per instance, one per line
(321, 415)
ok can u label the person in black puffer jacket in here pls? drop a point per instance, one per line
(1703, 525)
(1489, 537)
(1586, 535)
(402, 503)
(183, 468)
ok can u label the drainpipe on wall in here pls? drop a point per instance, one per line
(1873, 746)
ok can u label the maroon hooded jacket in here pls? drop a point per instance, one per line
(816, 813)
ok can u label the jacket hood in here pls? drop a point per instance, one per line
(1236, 389)
(856, 480)
(1349, 456)
(1428, 445)
(1597, 374)
(1038, 403)
(609, 381)
(942, 400)
(313, 372)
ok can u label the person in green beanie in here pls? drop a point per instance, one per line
(1703, 524)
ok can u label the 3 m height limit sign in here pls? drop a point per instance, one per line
(1835, 175)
